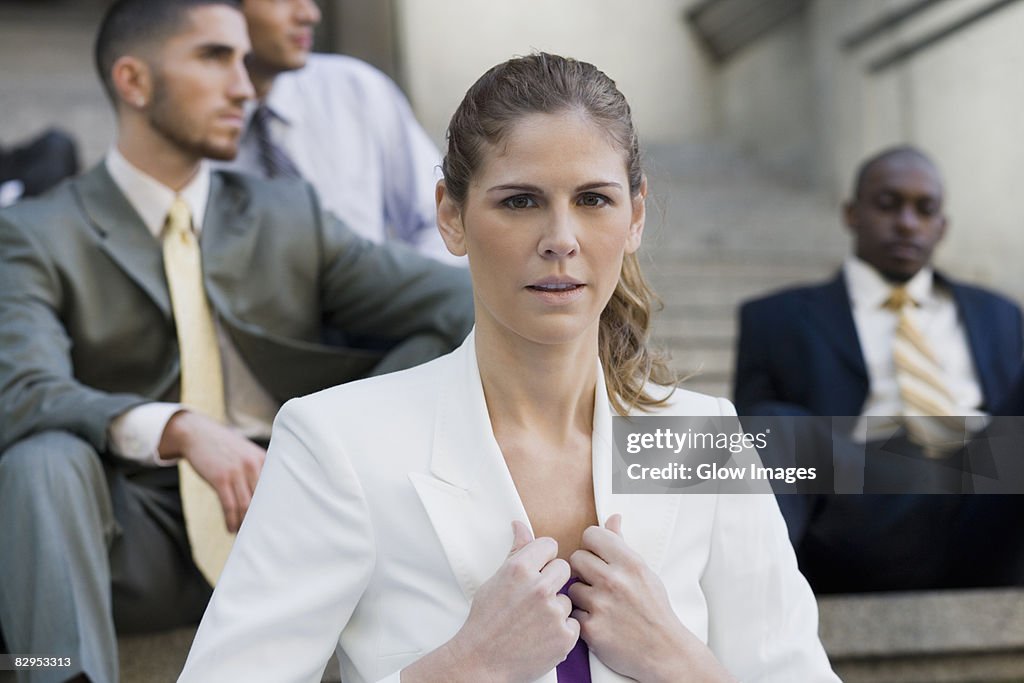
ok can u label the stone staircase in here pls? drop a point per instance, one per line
(720, 230)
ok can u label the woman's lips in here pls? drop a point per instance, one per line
(557, 292)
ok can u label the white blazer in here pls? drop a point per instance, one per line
(385, 504)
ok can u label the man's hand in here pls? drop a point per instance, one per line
(228, 461)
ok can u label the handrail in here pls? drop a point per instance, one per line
(904, 52)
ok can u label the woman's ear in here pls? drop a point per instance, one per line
(636, 225)
(449, 220)
(133, 81)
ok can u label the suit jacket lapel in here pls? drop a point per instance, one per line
(230, 229)
(831, 310)
(979, 343)
(123, 235)
(647, 520)
(470, 497)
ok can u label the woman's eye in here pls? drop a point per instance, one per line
(593, 199)
(519, 201)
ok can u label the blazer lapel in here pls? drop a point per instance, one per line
(977, 328)
(647, 520)
(831, 310)
(470, 497)
(230, 229)
(123, 235)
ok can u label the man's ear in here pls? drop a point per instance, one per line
(943, 229)
(850, 215)
(133, 81)
(449, 220)
(639, 217)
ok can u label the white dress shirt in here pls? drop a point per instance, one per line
(353, 136)
(935, 315)
(135, 434)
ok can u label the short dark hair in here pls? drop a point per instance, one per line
(885, 155)
(129, 24)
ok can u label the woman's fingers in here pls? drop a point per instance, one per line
(565, 604)
(582, 596)
(587, 566)
(521, 535)
(555, 574)
(607, 544)
(535, 555)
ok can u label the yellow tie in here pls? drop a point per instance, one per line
(929, 408)
(202, 385)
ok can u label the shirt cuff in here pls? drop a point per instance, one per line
(135, 434)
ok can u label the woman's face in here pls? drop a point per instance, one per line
(546, 222)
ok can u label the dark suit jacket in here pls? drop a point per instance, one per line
(800, 346)
(86, 329)
(799, 354)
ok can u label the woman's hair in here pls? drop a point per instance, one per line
(548, 84)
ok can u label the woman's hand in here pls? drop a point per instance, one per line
(518, 628)
(625, 616)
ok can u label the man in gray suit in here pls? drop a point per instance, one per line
(92, 539)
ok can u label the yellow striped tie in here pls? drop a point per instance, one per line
(929, 409)
(202, 385)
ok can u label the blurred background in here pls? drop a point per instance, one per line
(754, 115)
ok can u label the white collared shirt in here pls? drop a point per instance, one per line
(935, 315)
(352, 135)
(136, 433)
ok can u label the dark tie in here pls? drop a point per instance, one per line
(275, 161)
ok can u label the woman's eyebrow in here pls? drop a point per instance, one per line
(525, 187)
(518, 187)
(598, 185)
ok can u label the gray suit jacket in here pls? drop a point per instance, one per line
(86, 329)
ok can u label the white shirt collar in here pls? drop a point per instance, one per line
(869, 289)
(152, 199)
(281, 103)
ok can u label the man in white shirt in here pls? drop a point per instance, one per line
(834, 349)
(93, 342)
(343, 126)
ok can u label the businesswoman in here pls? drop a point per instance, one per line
(425, 524)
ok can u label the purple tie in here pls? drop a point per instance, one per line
(576, 667)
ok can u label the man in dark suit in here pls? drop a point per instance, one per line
(37, 165)
(828, 350)
(98, 351)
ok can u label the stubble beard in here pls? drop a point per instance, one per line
(167, 122)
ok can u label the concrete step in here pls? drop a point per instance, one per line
(924, 637)
(160, 657)
(927, 637)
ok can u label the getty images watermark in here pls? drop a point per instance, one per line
(812, 455)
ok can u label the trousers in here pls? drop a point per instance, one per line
(90, 547)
